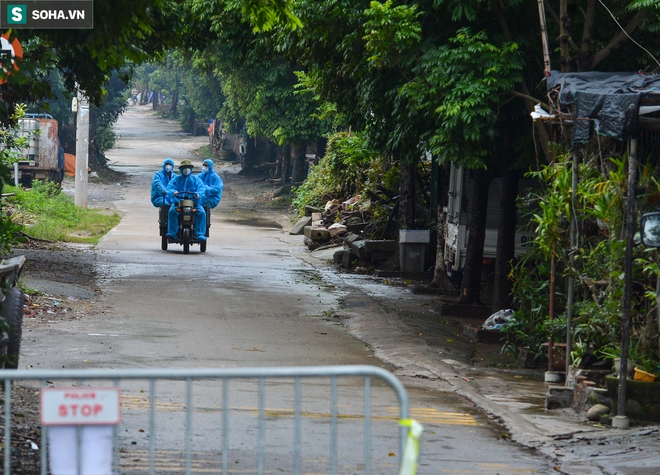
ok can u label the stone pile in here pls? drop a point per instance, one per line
(343, 224)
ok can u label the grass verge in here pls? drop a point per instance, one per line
(45, 212)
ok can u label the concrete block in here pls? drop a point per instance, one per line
(599, 396)
(380, 246)
(311, 209)
(338, 257)
(317, 216)
(558, 397)
(359, 249)
(317, 233)
(299, 227)
(352, 238)
(347, 259)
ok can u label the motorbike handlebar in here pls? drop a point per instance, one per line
(187, 195)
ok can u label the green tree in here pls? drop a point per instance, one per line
(257, 82)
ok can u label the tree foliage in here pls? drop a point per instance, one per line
(342, 173)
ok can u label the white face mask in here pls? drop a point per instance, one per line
(186, 171)
(168, 168)
(205, 169)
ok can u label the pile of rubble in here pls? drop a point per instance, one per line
(343, 224)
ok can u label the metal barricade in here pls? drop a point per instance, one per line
(238, 435)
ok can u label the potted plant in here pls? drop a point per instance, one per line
(646, 370)
(613, 352)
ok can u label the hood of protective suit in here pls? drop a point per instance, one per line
(213, 184)
(168, 161)
(209, 162)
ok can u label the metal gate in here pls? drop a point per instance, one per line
(219, 420)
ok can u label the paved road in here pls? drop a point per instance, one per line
(248, 301)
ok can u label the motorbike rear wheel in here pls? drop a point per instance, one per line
(202, 246)
(163, 243)
(12, 311)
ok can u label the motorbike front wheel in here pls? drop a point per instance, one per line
(186, 240)
(202, 246)
(163, 243)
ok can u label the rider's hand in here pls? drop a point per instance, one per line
(176, 193)
(196, 196)
(164, 192)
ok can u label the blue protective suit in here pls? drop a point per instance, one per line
(186, 183)
(213, 184)
(159, 185)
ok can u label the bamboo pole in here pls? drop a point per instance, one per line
(571, 260)
(544, 38)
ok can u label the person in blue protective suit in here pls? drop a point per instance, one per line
(186, 182)
(213, 184)
(159, 184)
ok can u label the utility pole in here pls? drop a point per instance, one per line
(621, 421)
(82, 150)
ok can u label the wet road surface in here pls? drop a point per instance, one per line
(247, 301)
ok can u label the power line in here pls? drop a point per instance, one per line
(626, 33)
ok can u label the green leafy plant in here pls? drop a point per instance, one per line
(341, 174)
(597, 261)
(579, 349)
(609, 351)
(45, 212)
(650, 365)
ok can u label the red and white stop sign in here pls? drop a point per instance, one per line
(10, 52)
(80, 406)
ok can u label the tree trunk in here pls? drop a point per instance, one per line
(155, 100)
(299, 158)
(286, 163)
(321, 144)
(506, 241)
(407, 194)
(471, 284)
(250, 154)
(564, 23)
(173, 109)
(278, 158)
(440, 279)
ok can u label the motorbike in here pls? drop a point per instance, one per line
(186, 233)
(11, 311)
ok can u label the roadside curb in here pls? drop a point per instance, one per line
(378, 324)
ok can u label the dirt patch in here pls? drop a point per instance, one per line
(25, 431)
(69, 265)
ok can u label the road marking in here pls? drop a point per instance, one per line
(428, 415)
(423, 415)
(137, 461)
